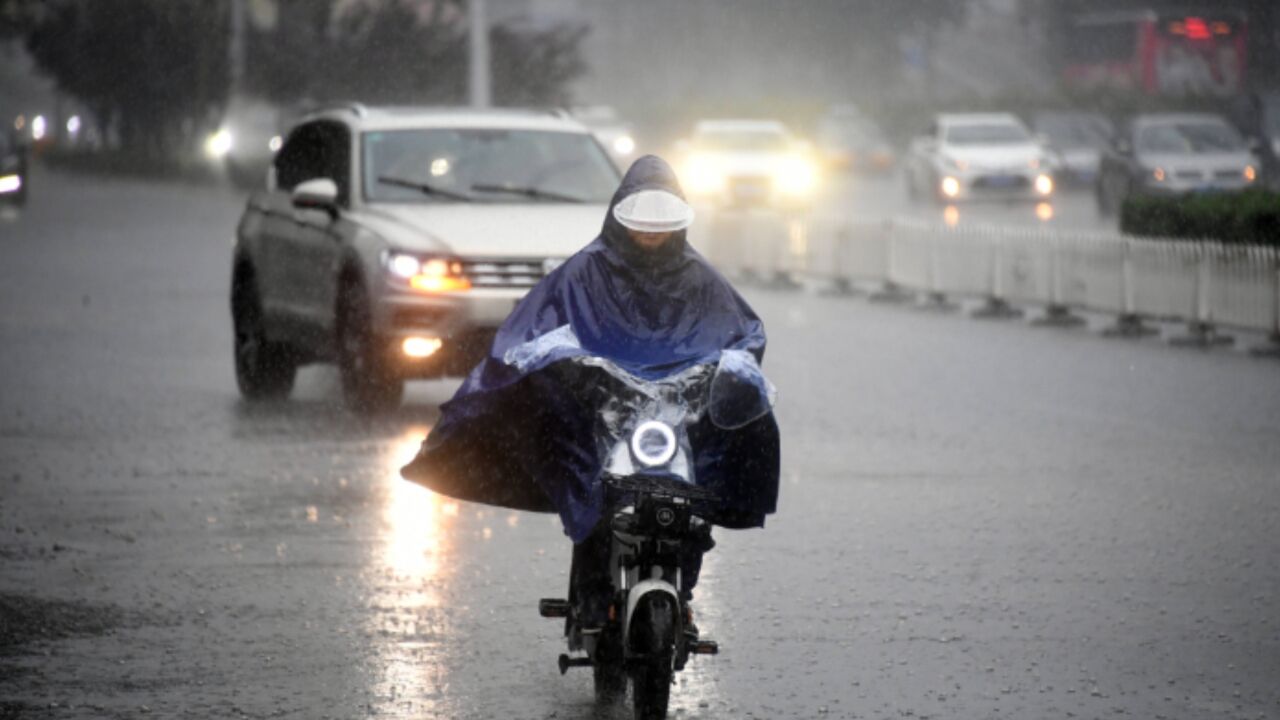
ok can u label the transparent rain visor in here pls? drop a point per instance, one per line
(739, 394)
(637, 418)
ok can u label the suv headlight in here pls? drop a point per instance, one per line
(432, 274)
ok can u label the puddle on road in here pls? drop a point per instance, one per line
(411, 573)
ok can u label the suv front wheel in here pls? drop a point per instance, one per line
(264, 370)
(369, 384)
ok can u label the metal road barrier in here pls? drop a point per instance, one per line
(1207, 285)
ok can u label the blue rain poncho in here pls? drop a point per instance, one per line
(515, 436)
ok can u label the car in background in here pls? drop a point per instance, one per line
(1078, 140)
(394, 242)
(1258, 115)
(979, 156)
(849, 141)
(747, 163)
(247, 137)
(617, 137)
(1174, 154)
(13, 170)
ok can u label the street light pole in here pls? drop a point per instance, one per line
(235, 48)
(479, 22)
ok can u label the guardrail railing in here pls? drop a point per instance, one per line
(1209, 286)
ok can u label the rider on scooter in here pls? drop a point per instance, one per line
(642, 297)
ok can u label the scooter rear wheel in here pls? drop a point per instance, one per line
(610, 675)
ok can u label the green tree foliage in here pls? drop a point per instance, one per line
(1249, 218)
(152, 71)
(405, 52)
(536, 67)
(156, 73)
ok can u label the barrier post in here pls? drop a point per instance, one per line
(1271, 256)
(889, 291)
(934, 298)
(793, 246)
(1201, 332)
(1128, 323)
(1057, 313)
(840, 283)
(994, 306)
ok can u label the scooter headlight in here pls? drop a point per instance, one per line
(653, 443)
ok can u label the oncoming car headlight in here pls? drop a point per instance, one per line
(703, 175)
(219, 144)
(795, 176)
(653, 443)
(624, 145)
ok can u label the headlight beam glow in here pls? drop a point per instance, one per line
(644, 436)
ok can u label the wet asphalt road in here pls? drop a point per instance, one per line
(978, 519)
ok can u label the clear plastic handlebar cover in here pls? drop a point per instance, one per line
(732, 390)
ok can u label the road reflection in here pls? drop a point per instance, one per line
(411, 560)
(698, 694)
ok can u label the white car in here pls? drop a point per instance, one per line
(746, 163)
(394, 242)
(975, 156)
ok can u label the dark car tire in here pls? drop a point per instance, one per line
(369, 385)
(264, 370)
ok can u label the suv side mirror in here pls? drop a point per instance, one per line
(317, 194)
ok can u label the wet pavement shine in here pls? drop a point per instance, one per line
(977, 519)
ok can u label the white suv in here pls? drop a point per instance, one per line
(395, 241)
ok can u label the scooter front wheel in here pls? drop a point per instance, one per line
(651, 680)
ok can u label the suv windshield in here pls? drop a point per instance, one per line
(1189, 137)
(752, 140)
(994, 134)
(456, 163)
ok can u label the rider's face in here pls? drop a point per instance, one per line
(650, 240)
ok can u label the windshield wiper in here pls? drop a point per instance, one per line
(531, 192)
(425, 189)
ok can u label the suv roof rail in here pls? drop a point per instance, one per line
(355, 108)
(358, 109)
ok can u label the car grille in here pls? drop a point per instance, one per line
(1228, 174)
(1188, 175)
(751, 189)
(504, 273)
